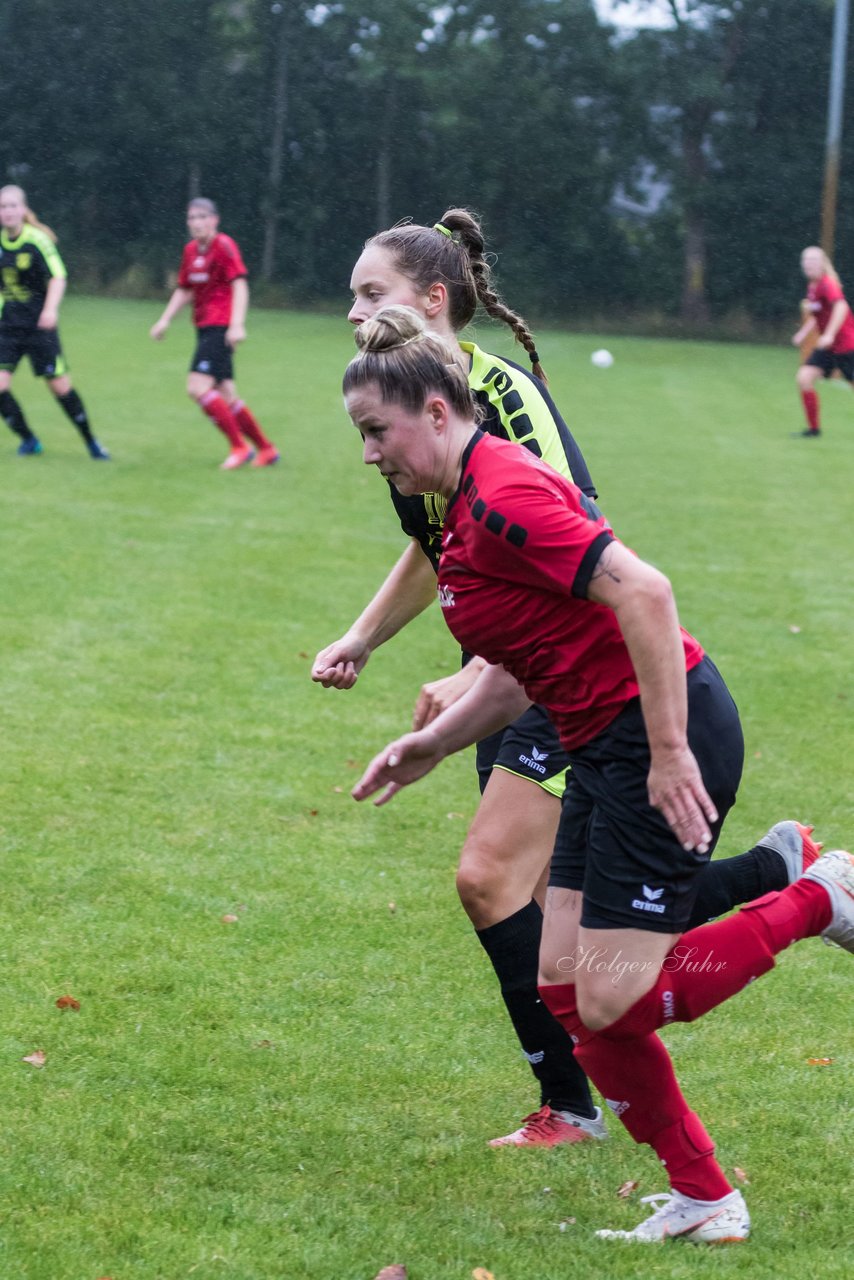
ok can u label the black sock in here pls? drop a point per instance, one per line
(726, 884)
(73, 408)
(13, 415)
(513, 946)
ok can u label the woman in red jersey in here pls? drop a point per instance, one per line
(831, 316)
(443, 273)
(213, 278)
(532, 578)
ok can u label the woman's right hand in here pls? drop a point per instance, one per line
(339, 664)
(399, 764)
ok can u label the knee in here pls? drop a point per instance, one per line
(476, 879)
(599, 1010)
(805, 378)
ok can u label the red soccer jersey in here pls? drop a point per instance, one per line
(209, 273)
(821, 295)
(519, 547)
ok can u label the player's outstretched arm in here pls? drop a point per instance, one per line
(438, 695)
(49, 318)
(493, 702)
(406, 592)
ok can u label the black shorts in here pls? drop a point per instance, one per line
(827, 361)
(613, 845)
(530, 748)
(41, 346)
(213, 355)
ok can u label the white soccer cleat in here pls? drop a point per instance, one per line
(793, 842)
(835, 872)
(724, 1221)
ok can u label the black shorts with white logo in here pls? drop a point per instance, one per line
(529, 747)
(41, 346)
(613, 845)
(827, 361)
(213, 355)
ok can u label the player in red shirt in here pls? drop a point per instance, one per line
(213, 278)
(831, 316)
(532, 579)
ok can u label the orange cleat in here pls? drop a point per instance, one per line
(266, 456)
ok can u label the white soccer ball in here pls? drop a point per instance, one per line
(602, 359)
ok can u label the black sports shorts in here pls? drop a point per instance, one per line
(827, 361)
(613, 845)
(213, 355)
(41, 346)
(528, 747)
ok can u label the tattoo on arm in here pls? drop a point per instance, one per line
(603, 567)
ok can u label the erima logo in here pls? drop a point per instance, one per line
(533, 761)
(650, 904)
(534, 1058)
(618, 1108)
(668, 1006)
(446, 599)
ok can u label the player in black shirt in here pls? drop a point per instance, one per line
(32, 284)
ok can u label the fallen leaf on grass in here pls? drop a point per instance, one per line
(454, 815)
(564, 1223)
(819, 1062)
(741, 1176)
(392, 906)
(396, 1272)
(626, 1189)
(36, 1059)
(229, 919)
(302, 654)
(795, 630)
(264, 1044)
(481, 1273)
(68, 1002)
(338, 790)
(312, 813)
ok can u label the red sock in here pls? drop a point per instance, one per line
(248, 424)
(641, 1089)
(715, 961)
(215, 407)
(810, 399)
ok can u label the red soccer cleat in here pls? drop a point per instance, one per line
(266, 456)
(547, 1128)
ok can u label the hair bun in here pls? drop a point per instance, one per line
(391, 327)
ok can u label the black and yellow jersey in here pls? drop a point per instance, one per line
(515, 406)
(27, 265)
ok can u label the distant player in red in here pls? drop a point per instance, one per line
(213, 278)
(830, 314)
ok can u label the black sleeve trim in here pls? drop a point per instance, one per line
(592, 556)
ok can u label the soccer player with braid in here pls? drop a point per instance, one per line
(213, 278)
(532, 577)
(441, 271)
(32, 285)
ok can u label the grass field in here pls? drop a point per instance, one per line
(307, 1091)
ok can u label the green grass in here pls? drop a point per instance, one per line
(307, 1092)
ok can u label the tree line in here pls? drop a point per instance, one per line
(660, 171)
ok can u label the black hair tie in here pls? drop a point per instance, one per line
(534, 358)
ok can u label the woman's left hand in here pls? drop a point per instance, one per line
(47, 320)
(676, 789)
